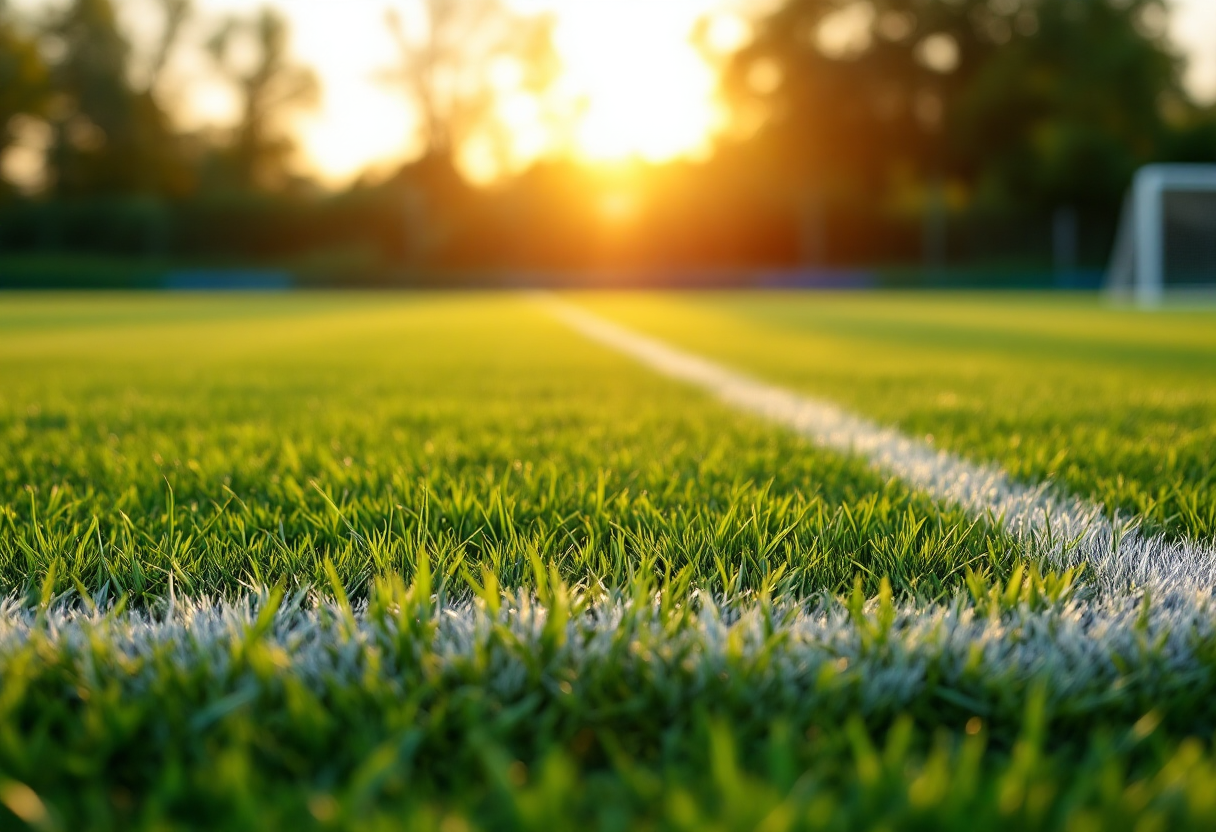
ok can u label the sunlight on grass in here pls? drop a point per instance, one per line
(1117, 405)
(437, 562)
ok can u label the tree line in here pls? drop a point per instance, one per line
(860, 131)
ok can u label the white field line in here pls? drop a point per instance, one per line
(1081, 650)
(1064, 530)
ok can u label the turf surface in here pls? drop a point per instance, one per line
(202, 441)
(525, 583)
(622, 713)
(1115, 404)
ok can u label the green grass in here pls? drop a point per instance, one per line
(621, 714)
(1116, 405)
(525, 583)
(229, 443)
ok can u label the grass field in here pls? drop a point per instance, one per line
(1118, 405)
(440, 562)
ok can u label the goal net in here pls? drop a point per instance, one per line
(1166, 243)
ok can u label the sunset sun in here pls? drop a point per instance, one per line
(647, 91)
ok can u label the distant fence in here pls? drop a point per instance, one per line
(359, 240)
(33, 274)
(84, 273)
(228, 280)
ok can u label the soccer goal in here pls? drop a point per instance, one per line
(1166, 243)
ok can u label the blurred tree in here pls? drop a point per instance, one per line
(270, 86)
(453, 67)
(108, 135)
(176, 14)
(24, 85)
(1080, 95)
(1018, 102)
(454, 63)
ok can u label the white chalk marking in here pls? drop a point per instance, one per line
(1079, 648)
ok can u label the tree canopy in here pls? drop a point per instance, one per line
(1029, 101)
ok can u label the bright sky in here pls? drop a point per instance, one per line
(1194, 29)
(645, 89)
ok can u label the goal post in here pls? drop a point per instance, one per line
(1166, 242)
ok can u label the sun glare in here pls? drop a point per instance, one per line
(633, 86)
(645, 90)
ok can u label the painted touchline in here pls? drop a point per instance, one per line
(1065, 530)
(1078, 649)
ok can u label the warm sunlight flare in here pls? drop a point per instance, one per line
(633, 85)
(648, 92)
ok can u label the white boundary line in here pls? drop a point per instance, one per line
(1079, 648)
(1065, 530)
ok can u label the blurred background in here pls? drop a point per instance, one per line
(845, 143)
